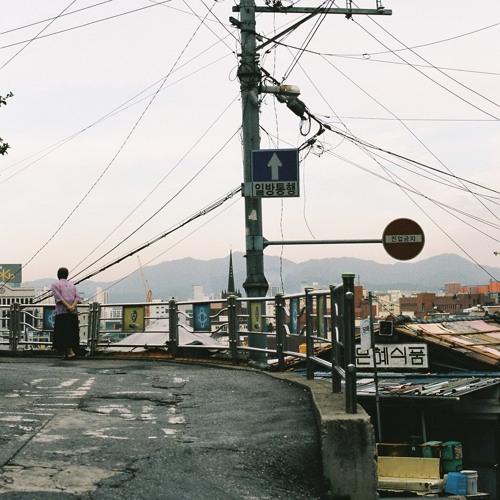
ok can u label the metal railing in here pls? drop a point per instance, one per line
(275, 332)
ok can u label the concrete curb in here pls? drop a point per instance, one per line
(347, 441)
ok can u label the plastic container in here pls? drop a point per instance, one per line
(456, 483)
(471, 476)
(432, 449)
(451, 456)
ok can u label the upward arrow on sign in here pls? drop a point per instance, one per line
(275, 164)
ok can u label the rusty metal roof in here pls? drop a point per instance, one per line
(436, 386)
(477, 339)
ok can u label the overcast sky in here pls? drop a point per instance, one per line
(123, 126)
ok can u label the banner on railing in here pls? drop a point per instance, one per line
(294, 315)
(133, 318)
(49, 318)
(201, 317)
(256, 317)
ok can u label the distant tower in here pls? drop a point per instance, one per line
(230, 281)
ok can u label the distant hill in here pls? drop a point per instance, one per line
(176, 278)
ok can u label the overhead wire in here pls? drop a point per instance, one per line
(436, 42)
(174, 196)
(353, 137)
(37, 36)
(464, 187)
(122, 107)
(161, 254)
(120, 149)
(478, 108)
(432, 219)
(368, 56)
(405, 125)
(11, 30)
(84, 25)
(435, 67)
(307, 41)
(418, 193)
(200, 213)
(183, 157)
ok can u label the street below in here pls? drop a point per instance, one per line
(153, 429)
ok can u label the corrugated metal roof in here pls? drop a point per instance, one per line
(449, 386)
(476, 338)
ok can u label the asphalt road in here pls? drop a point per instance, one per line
(120, 429)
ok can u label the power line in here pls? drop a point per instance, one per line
(87, 24)
(432, 219)
(368, 56)
(432, 79)
(120, 149)
(436, 42)
(435, 67)
(53, 18)
(36, 36)
(200, 213)
(177, 193)
(175, 244)
(122, 107)
(412, 133)
(196, 143)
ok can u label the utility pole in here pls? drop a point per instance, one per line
(249, 75)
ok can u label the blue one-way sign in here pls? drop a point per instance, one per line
(275, 173)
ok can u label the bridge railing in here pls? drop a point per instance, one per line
(316, 327)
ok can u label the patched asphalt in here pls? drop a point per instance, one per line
(148, 429)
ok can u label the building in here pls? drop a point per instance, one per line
(10, 294)
(422, 304)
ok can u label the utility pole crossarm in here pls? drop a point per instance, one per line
(321, 10)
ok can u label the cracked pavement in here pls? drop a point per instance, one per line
(109, 429)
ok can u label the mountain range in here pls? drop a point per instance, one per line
(176, 278)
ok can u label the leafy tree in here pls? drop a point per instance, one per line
(4, 145)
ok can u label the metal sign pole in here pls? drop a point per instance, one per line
(375, 372)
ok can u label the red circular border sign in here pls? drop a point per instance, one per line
(403, 239)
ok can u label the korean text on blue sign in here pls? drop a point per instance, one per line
(275, 173)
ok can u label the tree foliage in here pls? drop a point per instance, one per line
(4, 146)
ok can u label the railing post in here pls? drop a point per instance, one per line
(309, 332)
(336, 377)
(279, 305)
(232, 328)
(14, 326)
(93, 327)
(90, 334)
(173, 337)
(350, 354)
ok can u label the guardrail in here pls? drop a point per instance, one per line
(269, 331)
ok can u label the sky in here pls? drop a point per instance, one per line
(126, 122)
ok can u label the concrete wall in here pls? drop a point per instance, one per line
(347, 442)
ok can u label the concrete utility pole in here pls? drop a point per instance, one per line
(249, 75)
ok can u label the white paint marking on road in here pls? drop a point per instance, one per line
(64, 384)
(101, 434)
(170, 432)
(177, 420)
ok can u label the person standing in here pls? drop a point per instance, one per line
(66, 326)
